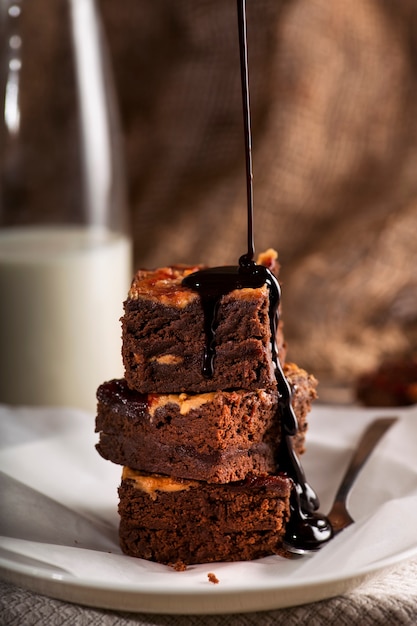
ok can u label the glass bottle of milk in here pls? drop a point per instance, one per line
(65, 256)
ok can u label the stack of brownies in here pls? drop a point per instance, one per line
(200, 481)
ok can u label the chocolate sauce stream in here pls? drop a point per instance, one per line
(244, 76)
(306, 528)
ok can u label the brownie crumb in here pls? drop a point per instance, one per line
(212, 578)
(179, 566)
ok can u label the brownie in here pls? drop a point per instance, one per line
(392, 383)
(183, 522)
(164, 338)
(216, 437)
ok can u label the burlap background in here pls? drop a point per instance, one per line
(334, 113)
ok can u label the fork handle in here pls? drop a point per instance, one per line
(338, 514)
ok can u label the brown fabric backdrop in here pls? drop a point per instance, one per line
(334, 115)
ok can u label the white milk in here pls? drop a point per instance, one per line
(61, 299)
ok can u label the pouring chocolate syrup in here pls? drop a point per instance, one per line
(306, 529)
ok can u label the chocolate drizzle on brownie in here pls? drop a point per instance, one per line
(214, 283)
(306, 528)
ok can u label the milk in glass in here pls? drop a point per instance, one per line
(61, 299)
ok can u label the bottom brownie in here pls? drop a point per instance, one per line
(184, 522)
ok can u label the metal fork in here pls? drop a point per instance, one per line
(339, 516)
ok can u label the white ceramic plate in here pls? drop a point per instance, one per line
(58, 520)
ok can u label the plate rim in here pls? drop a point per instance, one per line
(209, 600)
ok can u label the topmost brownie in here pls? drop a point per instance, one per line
(164, 338)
